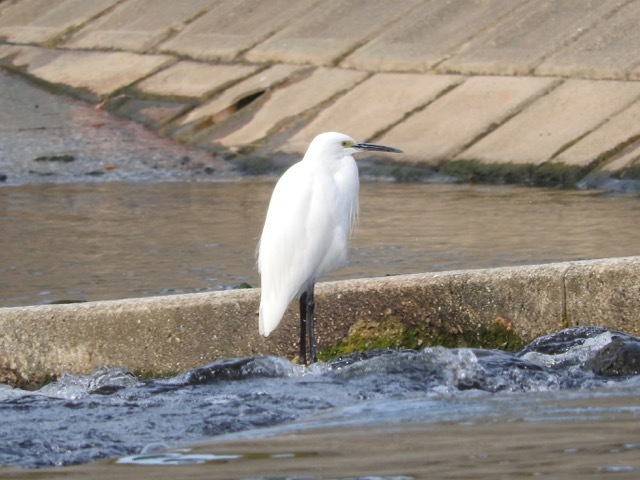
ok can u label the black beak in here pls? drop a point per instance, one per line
(375, 148)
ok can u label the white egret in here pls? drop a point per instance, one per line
(312, 210)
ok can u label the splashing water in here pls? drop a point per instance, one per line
(112, 413)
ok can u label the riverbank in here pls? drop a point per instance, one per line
(537, 94)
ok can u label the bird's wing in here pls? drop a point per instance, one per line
(298, 236)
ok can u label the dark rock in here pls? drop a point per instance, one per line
(621, 357)
(562, 341)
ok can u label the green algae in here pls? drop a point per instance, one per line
(392, 333)
(631, 173)
(550, 174)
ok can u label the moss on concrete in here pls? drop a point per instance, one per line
(391, 332)
(549, 174)
(397, 172)
(631, 173)
(10, 376)
(247, 164)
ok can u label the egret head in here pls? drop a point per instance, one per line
(339, 145)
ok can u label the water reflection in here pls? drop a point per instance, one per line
(117, 240)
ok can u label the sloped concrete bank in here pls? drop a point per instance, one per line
(537, 93)
(164, 335)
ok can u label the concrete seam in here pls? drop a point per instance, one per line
(603, 122)
(496, 125)
(65, 35)
(574, 38)
(455, 50)
(335, 62)
(563, 295)
(419, 108)
(305, 118)
(311, 113)
(172, 32)
(240, 54)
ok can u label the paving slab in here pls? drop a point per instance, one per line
(529, 34)
(37, 21)
(453, 121)
(329, 31)
(234, 26)
(287, 103)
(151, 113)
(629, 157)
(555, 121)
(224, 105)
(608, 51)
(194, 79)
(615, 132)
(94, 74)
(137, 25)
(430, 34)
(372, 106)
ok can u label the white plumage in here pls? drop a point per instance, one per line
(312, 211)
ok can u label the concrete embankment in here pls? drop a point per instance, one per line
(164, 335)
(542, 93)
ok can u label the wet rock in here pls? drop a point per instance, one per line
(235, 369)
(621, 357)
(562, 341)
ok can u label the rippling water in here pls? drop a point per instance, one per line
(112, 413)
(116, 240)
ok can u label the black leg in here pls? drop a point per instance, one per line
(303, 328)
(310, 326)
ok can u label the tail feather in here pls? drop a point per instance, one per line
(271, 313)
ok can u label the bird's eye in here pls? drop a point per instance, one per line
(347, 143)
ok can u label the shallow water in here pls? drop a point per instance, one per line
(98, 241)
(112, 413)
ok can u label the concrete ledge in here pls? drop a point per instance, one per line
(164, 335)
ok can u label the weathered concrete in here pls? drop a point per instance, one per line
(223, 106)
(628, 157)
(409, 46)
(605, 290)
(608, 51)
(233, 27)
(328, 31)
(464, 114)
(584, 42)
(94, 74)
(137, 25)
(35, 21)
(163, 335)
(194, 79)
(570, 111)
(619, 130)
(522, 40)
(286, 104)
(396, 95)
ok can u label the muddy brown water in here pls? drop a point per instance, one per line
(96, 241)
